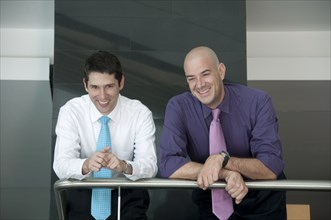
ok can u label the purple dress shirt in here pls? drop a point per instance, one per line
(249, 123)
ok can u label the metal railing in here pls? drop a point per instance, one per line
(155, 183)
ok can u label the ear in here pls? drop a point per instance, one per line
(222, 70)
(122, 82)
(85, 86)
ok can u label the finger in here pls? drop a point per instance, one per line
(98, 159)
(95, 167)
(113, 163)
(237, 201)
(104, 163)
(234, 193)
(98, 156)
(205, 182)
(230, 186)
(215, 177)
(106, 149)
(210, 180)
(239, 195)
(199, 181)
(236, 189)
(97, 162)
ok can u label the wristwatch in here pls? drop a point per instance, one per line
(128, 168)
(226, 157)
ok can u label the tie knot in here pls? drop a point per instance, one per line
(216, 113)
(104, 120)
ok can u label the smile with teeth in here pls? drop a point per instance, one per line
(103, 102)
(203, 91)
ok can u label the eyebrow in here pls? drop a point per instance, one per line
(206, 70)
(108, 84)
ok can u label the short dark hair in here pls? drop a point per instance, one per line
(103, 62)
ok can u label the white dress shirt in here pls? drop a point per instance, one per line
(132, 132)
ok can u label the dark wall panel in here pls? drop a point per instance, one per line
(150, 38)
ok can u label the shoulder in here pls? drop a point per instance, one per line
(244, 93)
(183, 107)
(183, 99)
(132, 105)
(77, 104)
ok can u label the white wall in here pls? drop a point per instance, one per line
(26, 49)
(24, 68)
(27, 37)
(279, 45)
(19, 42)
(270, 55)
(300, 55)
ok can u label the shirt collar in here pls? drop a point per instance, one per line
(224, 106)
(113, 115)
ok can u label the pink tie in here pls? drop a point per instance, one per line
(222, 201)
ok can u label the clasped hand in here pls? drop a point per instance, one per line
(211, 172)
(105, 159)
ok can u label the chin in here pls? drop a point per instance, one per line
(104, 110)
(204, 99)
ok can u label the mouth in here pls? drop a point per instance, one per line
(203, 91)
(103, 103)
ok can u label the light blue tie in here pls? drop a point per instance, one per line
(101, 197)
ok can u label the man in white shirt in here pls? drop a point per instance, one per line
(132, 131)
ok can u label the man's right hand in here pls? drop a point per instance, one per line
(235, 185)
(96, 161)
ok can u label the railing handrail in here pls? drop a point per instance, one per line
(311, 185)
(157, 183)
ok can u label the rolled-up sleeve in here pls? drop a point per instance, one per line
(173, 141)
(265, 142)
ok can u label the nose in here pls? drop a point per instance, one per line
(103, 93)
(200, 82)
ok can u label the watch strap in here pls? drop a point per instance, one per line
(226, 158)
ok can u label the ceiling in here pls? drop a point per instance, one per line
(266, 15)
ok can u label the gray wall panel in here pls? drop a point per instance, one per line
(25, 149)
(303, 109)
(150, 38)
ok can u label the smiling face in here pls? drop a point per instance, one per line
(103, 90)
(204, 75)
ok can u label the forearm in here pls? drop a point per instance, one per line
(189, 171)
(251, 168)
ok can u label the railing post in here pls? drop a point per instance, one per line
(119, 204)
(60, 201)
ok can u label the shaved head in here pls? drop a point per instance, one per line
(201, 53)
(204, 75)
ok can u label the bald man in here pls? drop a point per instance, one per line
(250, 128)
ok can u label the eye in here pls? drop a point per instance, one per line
(94, 87)
(190, 79)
